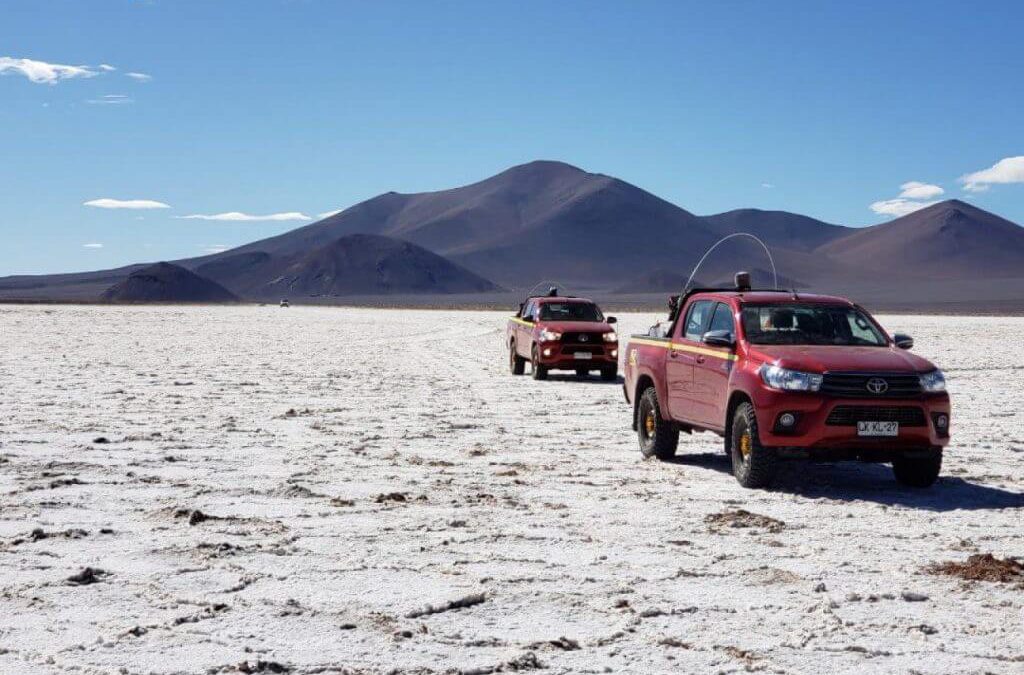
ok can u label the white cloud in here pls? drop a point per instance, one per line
(918, 190)
(1008, 170)
(107, 68)
(139, 77)
(768, 186)
(898, 207)
(111, 99)
(235, 216)
(92, 245)
(216, 248)
(42, 72)
(107, 203)
(328, 214)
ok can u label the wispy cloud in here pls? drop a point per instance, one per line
(42, 72)
(918, 190)
(235, 216)
(1008, 170)
(106, 67)
(92, 245)
(216, 248)
(898, 207)
(328, 214)
(139, 77)
(768, 186)
(111, 99)
(108, 203)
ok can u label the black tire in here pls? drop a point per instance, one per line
(582, 373)
(658, 437)
(609, 374)
(753, 465)
(516, 363)
(919, 472)
(538, 371)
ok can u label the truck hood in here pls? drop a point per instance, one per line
(578, 326)
(821, 359)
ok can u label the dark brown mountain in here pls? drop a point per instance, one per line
(948, 240)
(780, 229)
(594, 234)
(164, 282)
(366, 264)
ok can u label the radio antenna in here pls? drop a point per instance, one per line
(775, 276)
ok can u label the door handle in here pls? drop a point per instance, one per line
(700, 359)
(672, 354)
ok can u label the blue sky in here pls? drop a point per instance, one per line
(286, 107)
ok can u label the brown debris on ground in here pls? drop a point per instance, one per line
(739, 519)
(982, 567)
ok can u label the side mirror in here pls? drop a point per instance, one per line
(903, 341)
(610, 320)
(719, 338)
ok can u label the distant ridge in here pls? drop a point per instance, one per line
(595, 233)
(164, 282)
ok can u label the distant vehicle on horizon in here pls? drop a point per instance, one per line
(555, 332)
(781, 374)
(285, 303)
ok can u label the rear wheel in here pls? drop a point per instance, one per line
(609, 374)
(919, 472)
(753, 465)
(582, 372)
(539, 371)
(658, 437)
(516, 363)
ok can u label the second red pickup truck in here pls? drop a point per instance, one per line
(554, 332)
(781, 374)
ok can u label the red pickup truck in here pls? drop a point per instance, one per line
(780, 375)
(562, 333)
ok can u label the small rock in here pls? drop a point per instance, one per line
(101, 440)
(87, 576)
(820, 588)
(911, 596)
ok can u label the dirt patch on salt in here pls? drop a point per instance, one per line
(983, 567)
(740, 519)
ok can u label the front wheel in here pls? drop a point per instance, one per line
(539, 371)
(658, 437)
(753, 465)
(917, 472)
(609, 374)
(516, 363)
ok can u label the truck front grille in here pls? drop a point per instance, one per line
(849, 415)
(855, 385)
(584, 338)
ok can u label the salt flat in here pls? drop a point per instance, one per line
(286, 490)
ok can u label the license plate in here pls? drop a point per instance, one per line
(583, 355)
(878, 428)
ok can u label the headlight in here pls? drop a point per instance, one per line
(933, 381)
(611, 337)
(550, 335)
(790, 380)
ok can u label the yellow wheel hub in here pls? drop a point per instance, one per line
(649, 423)
(746, 444)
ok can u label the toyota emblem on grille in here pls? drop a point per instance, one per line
(877, 385)
(584, 338)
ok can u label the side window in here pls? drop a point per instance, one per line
(722, 319)
(696, 318)
(528, 309)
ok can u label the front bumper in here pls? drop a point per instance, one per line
(829, 424)
(562, 356)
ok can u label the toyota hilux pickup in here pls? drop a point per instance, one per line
(555, 332)
(781, 375)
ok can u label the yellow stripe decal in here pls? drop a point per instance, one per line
(685, 348)
(520, 321)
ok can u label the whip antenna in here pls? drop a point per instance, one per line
(775, 276)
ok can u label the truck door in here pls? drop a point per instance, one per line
(681, 360)
(524, 331)
(711, 372)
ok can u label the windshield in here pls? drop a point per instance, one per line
(570, 311)
(809, 325)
